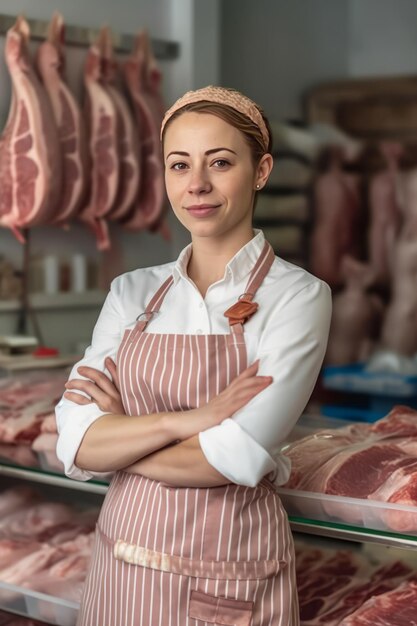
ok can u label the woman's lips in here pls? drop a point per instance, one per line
(202, 210)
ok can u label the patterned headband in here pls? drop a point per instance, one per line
(222, 95)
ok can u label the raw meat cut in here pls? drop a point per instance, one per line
(16, 498)
(333, 584)
(394, 608)
(337, 205)
(385, 211)
(375, 462)
(35, 519)
(102, 129)
(30, 159)
(68, 119)
(143, 79)
(129, 153)
(356, 316)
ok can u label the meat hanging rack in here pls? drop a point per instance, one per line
(82, 36)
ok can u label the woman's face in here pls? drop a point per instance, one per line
(209, 174)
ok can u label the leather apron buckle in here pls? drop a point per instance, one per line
(241, 311)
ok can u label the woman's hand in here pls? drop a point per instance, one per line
(240, 391)
(101, 390)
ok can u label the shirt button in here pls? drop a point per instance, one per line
(201, 305)
(199, 331)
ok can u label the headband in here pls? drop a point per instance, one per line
(222, 95)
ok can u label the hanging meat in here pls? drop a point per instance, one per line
(129, 154)
(103, 129)
(385, 212)
(399, 331)
(143, 80)
(337, 204)
(30, 159)
(356, 316)
(68, 119)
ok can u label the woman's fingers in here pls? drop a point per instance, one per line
(111, 367)
(99, 379)
(76, 397)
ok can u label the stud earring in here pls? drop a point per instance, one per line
(258, 187)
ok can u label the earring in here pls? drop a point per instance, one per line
(258, 187)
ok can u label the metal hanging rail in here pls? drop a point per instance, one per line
(83, 36)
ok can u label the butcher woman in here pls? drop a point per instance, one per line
(197, 371)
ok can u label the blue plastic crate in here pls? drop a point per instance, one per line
(353, 413)
(355, 379)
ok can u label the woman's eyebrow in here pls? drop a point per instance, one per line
(208, 152)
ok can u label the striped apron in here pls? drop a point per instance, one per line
(167, 556)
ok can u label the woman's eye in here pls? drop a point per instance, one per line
(220, 163)
(178, 166)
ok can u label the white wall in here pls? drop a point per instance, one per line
(382, 37)
(274, 50)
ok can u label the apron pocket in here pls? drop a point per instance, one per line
(222, 611)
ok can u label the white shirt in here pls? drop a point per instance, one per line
(288, 334)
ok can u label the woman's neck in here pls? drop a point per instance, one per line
(209, 258)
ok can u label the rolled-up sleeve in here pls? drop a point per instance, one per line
(247, 447)
(72, 419)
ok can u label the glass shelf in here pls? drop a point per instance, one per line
(39, 606)
(38, 475)
(332, 529)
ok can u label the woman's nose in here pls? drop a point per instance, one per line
(199, 182)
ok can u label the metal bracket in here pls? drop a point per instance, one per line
(82, 36)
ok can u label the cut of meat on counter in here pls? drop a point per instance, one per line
(68, 120)
(396, 608)
(336, 585)
(45, 546)
(102, 131)
(376, 462)
(129, 153)
(30, 158)
(28, 432)
(143, 80)
(25, 405)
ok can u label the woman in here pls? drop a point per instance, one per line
(208, 382)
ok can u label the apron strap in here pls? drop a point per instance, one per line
(152, 307)
(240, 312)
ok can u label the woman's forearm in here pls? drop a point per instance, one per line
(115, 441)
(180, 465)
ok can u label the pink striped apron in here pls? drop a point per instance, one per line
(167, 556)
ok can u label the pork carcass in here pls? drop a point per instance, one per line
(143, 79)
(385, 218)
(68, 119)
(336, 206)
(399, 329)
(103, 132)
(393, 608)
(129, 153)
(356, 316)
(30, 158)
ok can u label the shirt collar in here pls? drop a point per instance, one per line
(237, 268)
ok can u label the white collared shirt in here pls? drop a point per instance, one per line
(288, 334)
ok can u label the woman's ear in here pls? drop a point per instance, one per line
(263, 171)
